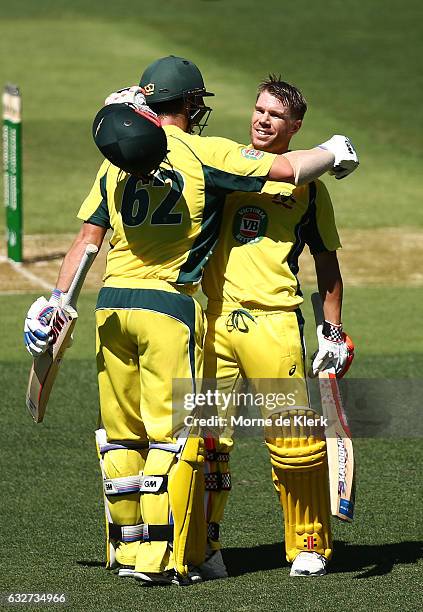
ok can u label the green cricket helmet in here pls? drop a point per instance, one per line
(172, 78)
(131, 139)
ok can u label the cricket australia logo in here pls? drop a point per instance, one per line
(250, 224)
(251, 153)
(286, 200)
(149, 89)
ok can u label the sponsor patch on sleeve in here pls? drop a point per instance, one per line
(251, 153)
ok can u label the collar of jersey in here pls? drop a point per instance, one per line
(173, 129)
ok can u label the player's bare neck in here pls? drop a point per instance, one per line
(180, 120)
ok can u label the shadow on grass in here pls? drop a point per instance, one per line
(86, 563)
(370, 559)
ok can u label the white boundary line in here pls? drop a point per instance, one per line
(27, 274)
(11, 293)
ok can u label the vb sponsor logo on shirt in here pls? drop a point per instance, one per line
(250, 224)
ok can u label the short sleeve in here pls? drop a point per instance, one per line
(94, 208)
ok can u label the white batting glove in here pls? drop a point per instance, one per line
(133, 96)
(346, 158)
(38, 323)
(334, 350)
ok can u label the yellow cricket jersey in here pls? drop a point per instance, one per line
(255, 261)
(166, 229)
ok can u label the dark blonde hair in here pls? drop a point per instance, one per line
(289, 95)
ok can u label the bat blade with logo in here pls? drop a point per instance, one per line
(339, 444)
(46, 366)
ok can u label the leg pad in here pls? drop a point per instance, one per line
(298, 458)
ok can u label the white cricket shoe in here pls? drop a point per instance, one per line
(309, 564)
(213, 567)
(194, 575)
(168, 578)
(126, 571)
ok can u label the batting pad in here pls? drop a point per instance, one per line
(300, 469)
(180, 502)
(120, 468)
(155, 556)
(186, 495)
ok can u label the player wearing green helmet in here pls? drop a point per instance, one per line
(172, 82)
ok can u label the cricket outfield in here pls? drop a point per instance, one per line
(359, 74)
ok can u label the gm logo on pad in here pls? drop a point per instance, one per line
(151, 484)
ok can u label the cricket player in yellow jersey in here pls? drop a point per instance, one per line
(255, 326)
(150, 330)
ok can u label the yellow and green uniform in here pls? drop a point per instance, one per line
(255, 330)
(256, 259)
(166, 229)
(149, 328)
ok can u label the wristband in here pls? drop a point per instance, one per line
(332, 332)
(56, 294)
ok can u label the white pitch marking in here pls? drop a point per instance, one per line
(11, 293)
(29, 275)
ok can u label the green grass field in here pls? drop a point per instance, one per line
(360, 69)
(52, 499)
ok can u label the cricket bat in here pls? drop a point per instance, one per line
(338, 437)
(46, 366)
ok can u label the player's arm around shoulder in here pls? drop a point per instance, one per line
(227, 157)
(336, 155)
(296, 167)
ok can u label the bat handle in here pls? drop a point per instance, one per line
(87, 259)
(316, 301)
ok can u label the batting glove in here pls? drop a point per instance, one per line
(346, 158)
(132, 96)
(39, 329)
(336, 350)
